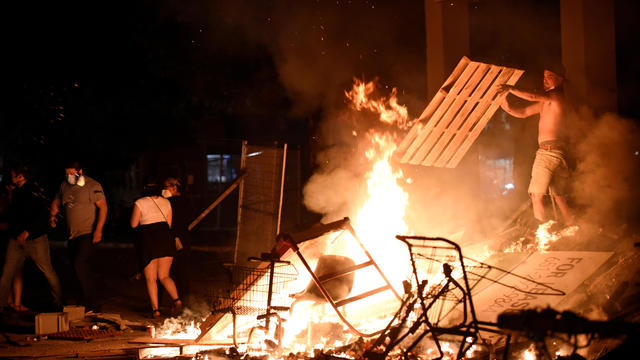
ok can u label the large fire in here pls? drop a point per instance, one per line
(379, 219)
(389, 109)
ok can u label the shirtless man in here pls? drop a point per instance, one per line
(550, 170)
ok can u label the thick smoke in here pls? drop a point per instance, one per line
(604, 187)
(338, 186)
(319, 46)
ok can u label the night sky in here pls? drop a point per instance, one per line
(110, 81)
(107, 81)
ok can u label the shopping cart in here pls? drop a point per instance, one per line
(257, 291)
(438, 301)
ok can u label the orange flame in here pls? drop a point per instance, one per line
(389, 109)
(544, 238)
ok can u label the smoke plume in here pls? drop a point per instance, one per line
(604, 183)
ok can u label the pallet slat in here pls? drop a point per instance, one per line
(456, 115)
(493, 106)
(452, 135)
(432, 106)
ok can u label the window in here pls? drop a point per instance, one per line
(220, 168)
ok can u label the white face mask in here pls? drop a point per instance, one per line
(166, 193)
(75, 179)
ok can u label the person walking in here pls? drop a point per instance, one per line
(156, 246)
(85, 211)
(15, 298)
(27, 219)
(182, 210)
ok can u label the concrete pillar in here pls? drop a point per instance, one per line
(447, 28)
(589, 53)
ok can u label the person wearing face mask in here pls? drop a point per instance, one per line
(152, 215)
(27, 218)
(85, 211)
(182, 215)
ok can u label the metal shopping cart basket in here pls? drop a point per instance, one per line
(260, 291)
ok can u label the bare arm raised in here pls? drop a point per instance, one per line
(523, 94)
(521, 112)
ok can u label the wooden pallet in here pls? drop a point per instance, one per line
(83, 334)
(456, 115)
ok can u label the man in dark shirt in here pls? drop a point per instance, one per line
(28, 225)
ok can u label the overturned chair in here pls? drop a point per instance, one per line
(331, 282)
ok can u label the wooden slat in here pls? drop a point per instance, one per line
(409, 138)
(478, 112)
(414, 152)
(455, 134)
(439, 143)
(457, 114)
(515, 75)
(439, 117)
(431, 107)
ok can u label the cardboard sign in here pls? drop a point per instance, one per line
(540, 274)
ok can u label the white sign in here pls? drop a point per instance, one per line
(539, 273)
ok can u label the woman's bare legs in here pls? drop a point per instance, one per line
(151, 277)
(164, 266)
(17, 291)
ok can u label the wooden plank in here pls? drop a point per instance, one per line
(403, 148)
(512, 79)
(440, 95)
(439, 118)
(476, 114)
(150, 340)
(217, 201)
(408, 139)
(456, 115)
(438, 143)
(453, 138)
(478, 111)
(414, 152)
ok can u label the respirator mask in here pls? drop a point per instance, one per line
(75, 179)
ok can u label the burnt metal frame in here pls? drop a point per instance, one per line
(466, 329)
(270, 310)
(343, 224)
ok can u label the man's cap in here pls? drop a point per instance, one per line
(557, 69)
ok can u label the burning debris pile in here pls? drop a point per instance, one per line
(544, 237)
(361, 291)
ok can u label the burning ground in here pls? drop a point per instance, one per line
(581, 269)
(592, 266)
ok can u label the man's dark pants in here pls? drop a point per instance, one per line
(81, 251)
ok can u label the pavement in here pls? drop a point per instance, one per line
(122, 295)
(611, 291)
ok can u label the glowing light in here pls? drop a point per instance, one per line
(544, 238)
(389, 109)
(529, 354)
(183, 327)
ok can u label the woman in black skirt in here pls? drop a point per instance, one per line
(156, 246)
